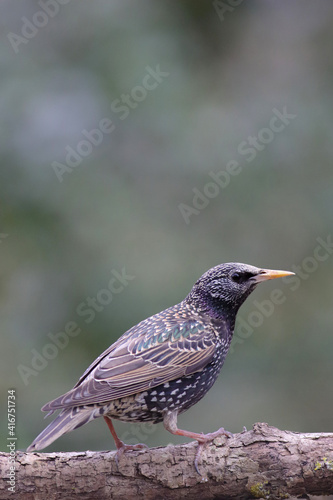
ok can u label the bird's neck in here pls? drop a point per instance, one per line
(216, 309)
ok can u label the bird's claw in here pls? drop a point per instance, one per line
(198, 456)
(205, 439)
(127, 447)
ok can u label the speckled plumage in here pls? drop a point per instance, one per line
(165, 364)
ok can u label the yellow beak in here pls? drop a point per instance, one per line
(269, 274)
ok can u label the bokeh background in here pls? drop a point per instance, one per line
(61, 236)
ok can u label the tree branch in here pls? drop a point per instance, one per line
(262, 463)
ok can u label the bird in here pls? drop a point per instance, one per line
(162, 366)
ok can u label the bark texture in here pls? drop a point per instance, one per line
(264, 462)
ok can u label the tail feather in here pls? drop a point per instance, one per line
(67, 420)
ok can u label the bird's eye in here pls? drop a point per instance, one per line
(241, 277)
(236, 277)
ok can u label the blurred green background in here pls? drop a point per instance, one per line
(68, 66)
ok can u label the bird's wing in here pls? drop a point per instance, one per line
(148, 355)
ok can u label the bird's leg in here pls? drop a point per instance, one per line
(121, 446)
(170, 423)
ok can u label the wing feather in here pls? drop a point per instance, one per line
(142, 359)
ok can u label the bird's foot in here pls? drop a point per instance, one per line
(123, 448)
(203, 440)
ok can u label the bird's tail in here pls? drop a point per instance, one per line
(67, 420)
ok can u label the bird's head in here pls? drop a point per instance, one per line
(222, 289)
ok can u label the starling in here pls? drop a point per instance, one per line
(162, 366)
